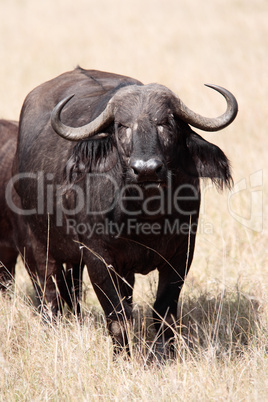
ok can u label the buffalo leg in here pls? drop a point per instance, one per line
(171, 280)
(54, 286)
(165, 307)
(48, 277)
(117, 307)
(115, 296)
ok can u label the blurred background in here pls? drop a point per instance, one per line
(183, 45)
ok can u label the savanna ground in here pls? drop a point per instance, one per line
(222, 341)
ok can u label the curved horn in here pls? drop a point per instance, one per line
(80, 133)
(210, 124)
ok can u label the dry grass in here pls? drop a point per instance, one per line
(223, 337)
(222, 354)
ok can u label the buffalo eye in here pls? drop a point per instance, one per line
(124, 132)
(125, 137)
(164, 135)
(121, 129)
(166, 123)
(121, 126)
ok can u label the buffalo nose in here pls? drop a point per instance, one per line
(147, 170)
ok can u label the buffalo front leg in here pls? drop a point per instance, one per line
(165, 312)
(115, 296)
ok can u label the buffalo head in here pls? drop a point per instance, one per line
(149, 125)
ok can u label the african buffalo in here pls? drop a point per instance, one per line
(108, 171)
(8, 249)
(14, 232)
(14, 237)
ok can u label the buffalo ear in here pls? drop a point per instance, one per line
(207, 160)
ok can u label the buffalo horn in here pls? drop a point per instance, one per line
(90, 130)
(210, 124)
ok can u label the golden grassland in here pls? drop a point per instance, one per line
(222, 342)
